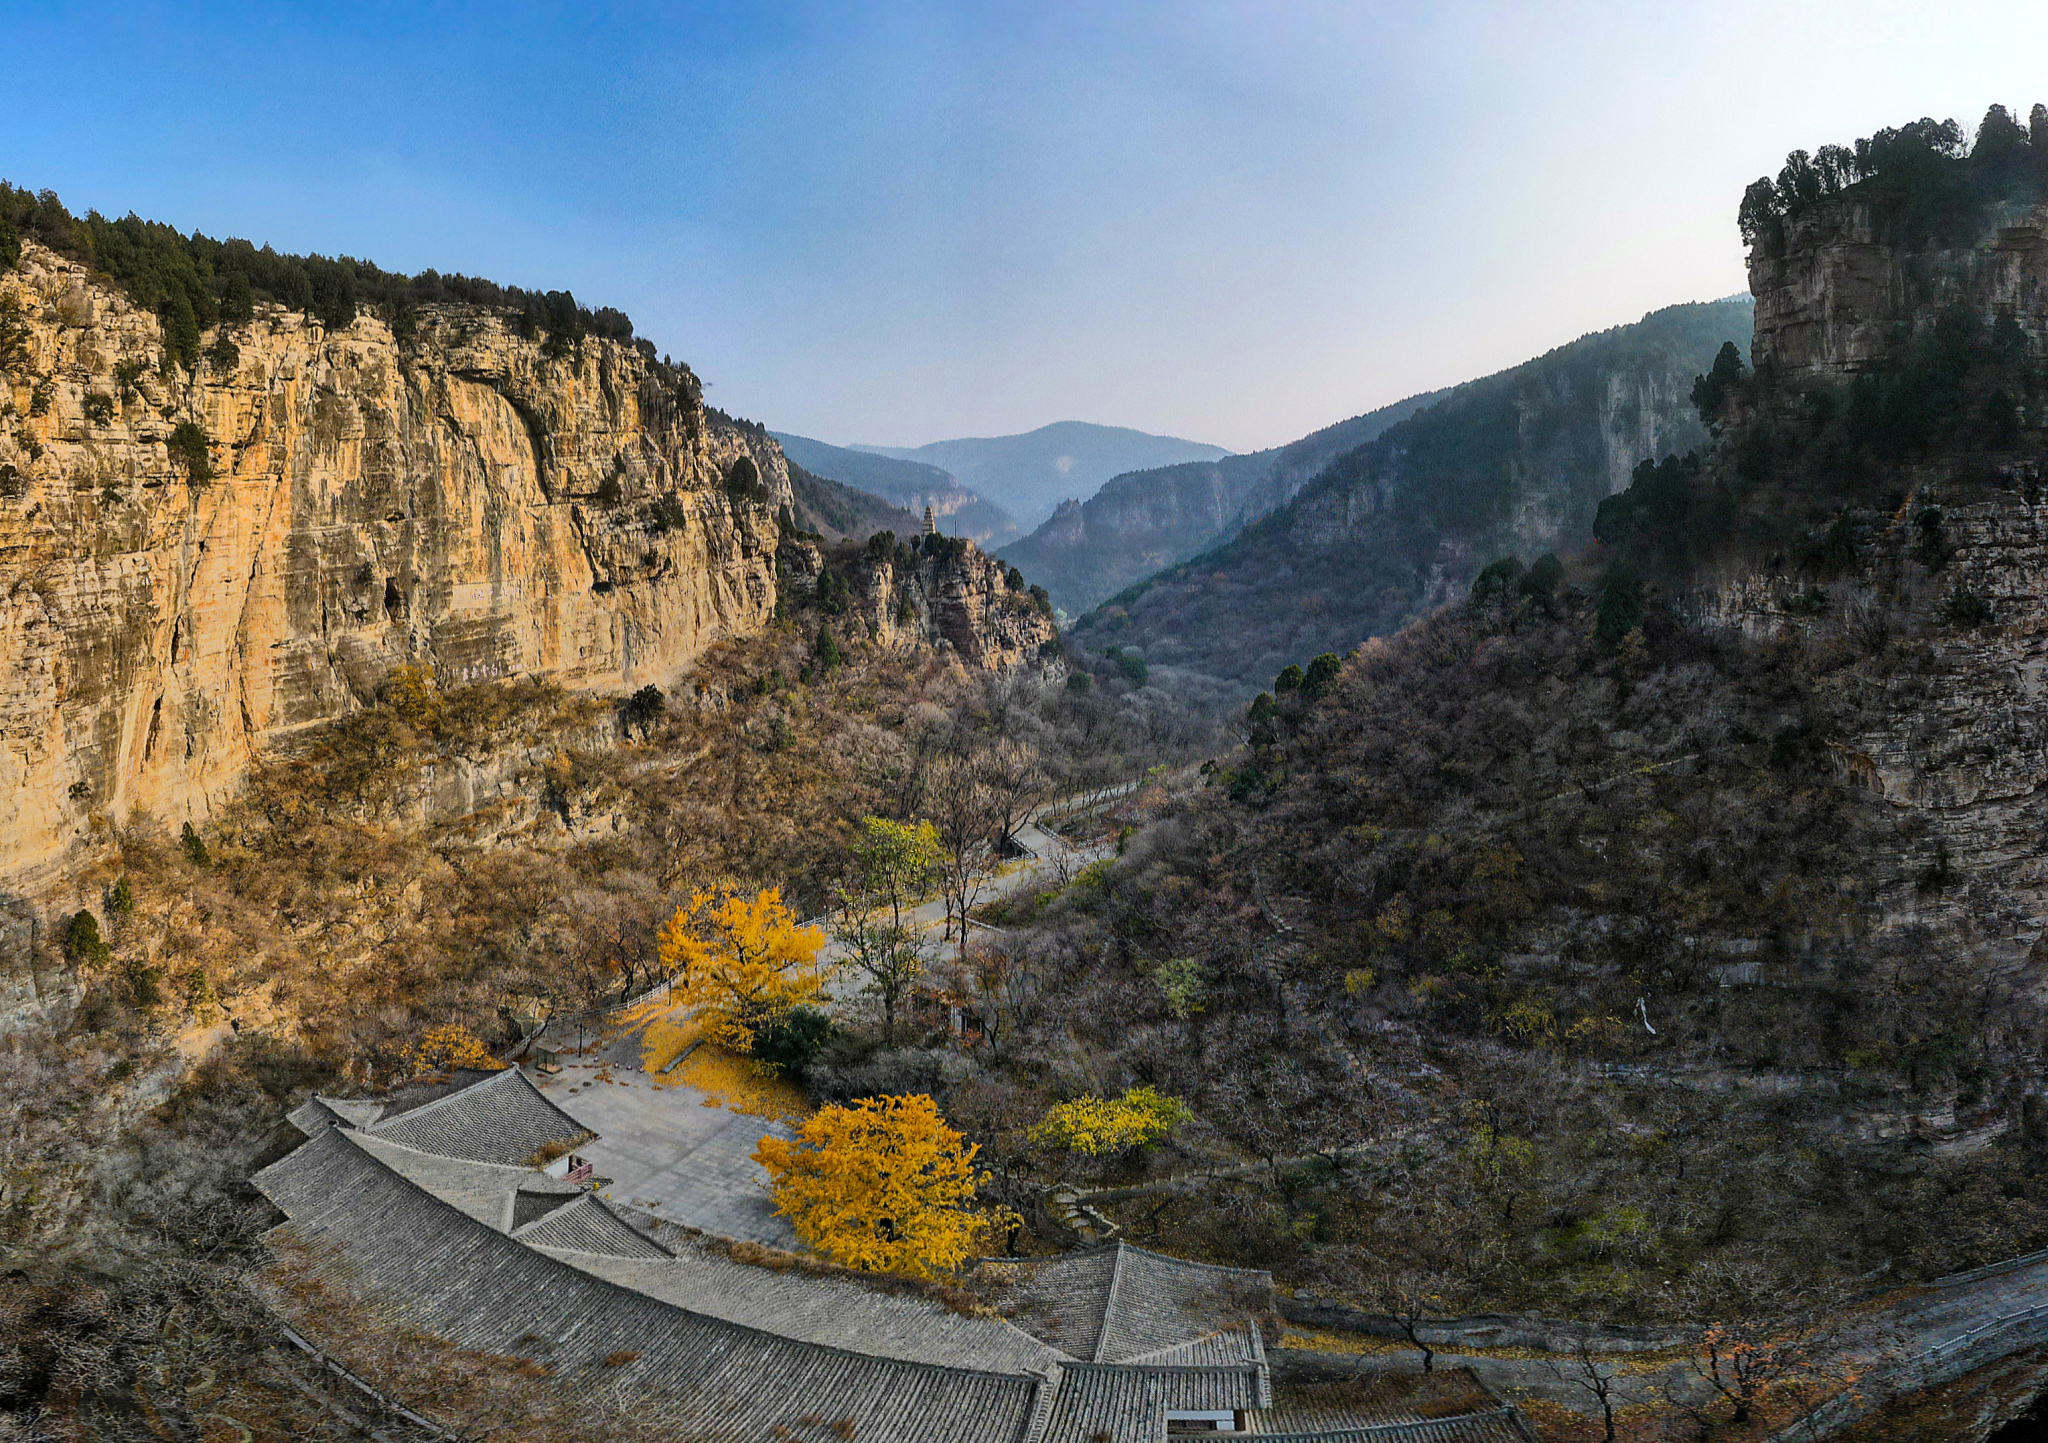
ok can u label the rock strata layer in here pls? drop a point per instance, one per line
(463, 502)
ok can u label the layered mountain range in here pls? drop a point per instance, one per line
(1143, 521)
(909, 485)
(1030, 474)
(1516, 463)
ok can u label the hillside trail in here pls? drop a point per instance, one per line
(1048, 859)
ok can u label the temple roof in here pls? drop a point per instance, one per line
(425, 1204)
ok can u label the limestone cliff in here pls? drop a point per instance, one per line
(942, 592)
(1941, 588)
(1830, 301)
(462, 501)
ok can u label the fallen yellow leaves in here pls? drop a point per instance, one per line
(738, 1084)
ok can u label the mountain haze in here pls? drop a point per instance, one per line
(1516, 463)
(1028, 475)
(1142, 521)
(911, 485)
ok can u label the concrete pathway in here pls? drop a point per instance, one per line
(673, 1151)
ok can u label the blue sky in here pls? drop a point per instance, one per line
(899, 222)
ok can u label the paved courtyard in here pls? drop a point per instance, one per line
(673, 1152)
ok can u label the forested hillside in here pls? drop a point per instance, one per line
(844, 512)
(1517, 462)
(1655, 934)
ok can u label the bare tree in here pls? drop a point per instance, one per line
(1594, 1375)
(1015, 782)
(960, 808)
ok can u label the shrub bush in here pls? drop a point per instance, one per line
(188, 446)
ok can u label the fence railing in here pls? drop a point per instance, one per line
(1940, 1363)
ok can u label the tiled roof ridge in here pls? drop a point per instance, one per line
(464, 1220)
(1190, 1262)
(1141, 1360)
(1505, 1411)
(1264, 1387)
(356, 1134)
(1116, 1275)
(588, 1200)
(482, 1083)
(1167, 1370)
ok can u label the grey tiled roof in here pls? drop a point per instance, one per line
(828, 1311)
(431, 1211)
(1107, 1405)
(452, 1276)
(1156, 1302)
(1113, 1303)
(1232, 1347)
(1062, 1299)
(1498, 1425)
(588, 1226)
(530, 1204)
(503, 1119)
(483, 1190)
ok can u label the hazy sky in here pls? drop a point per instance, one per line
(899, 222)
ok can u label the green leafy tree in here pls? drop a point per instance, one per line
(1543, 578)
(1322, 675)
(1712, 392)
(188, 445)
(788, 1041)
(195, 847)
(1500, 581)
(83, 944)
(826, 649)
(238, 301)
(894, 865)
(1621, 606)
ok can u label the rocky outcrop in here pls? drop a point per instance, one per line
(942, 592)
(1829, 304)
(462, 501)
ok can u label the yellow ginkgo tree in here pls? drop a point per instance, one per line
(740, 963)
(451, 1045)
(884, 1185)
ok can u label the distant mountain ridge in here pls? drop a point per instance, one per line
(840, 512)
(1515, 463)
(1143, 521)
(1028, 475)
(911, 485)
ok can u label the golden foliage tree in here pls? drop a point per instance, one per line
(1097, 1125)
(884, 1185)
(741, 962)
(451, 1045)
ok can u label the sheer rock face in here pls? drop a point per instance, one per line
(1958, 751)
(1827, 308)
(954, 597)
(462, 502)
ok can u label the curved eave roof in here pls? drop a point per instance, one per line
(388, 1240)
